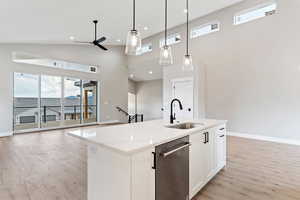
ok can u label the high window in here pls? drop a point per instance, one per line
(171, 39)
(42, 101)
(255, 13)
(146, 48)
(205, 29)
(47, 62)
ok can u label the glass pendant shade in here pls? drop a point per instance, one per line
(187, 63)
(166, 57)
(133, 42)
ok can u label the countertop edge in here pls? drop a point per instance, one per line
(150, 146)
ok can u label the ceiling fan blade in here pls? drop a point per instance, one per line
(82, 42)
(101, 39)
(101, 47)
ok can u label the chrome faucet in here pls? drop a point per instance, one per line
(172, 116)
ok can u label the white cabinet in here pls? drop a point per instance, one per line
(210, 154)
(198, 162)
(221, 146)
(112, 175)
(207, 157)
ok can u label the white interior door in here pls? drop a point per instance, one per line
(183, 89)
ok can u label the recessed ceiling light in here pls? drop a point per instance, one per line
(185, 10)
(146, 28)
(150, 72)
(72, 38)
(131, 75)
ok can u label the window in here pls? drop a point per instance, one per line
(205, 29)
(89, 101)
(26, 101)
(72, 99)
(131, 103)
(171, 39)
(47, 62)
(51, 110)
(145, 49)
(42, 101)
(255, 13)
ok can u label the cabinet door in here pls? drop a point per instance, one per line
(198, 163)
(221, 147)
(142, 176)
(210, 155)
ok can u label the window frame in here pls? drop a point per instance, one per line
(162, 40)
(252, 9)
(141, 52)
(62, 102)
(205, 25)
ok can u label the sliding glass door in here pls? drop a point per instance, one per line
(42, 101)
(51, 109)
(26, 101)
(89, 101)
(72, 101)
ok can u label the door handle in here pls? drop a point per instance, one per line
(175, 150)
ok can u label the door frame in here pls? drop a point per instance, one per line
(184, 79)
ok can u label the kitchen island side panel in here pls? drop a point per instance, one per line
(109, 174)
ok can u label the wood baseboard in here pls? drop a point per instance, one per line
(265, 138)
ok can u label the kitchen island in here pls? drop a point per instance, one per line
(123, 162)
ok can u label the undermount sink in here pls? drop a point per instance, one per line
(186, 125)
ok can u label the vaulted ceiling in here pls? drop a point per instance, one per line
(54, 21)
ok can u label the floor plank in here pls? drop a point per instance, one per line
(52, 166)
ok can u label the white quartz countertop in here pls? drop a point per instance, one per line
(136, 137)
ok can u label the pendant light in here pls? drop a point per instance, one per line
(187, 59)
(134, 41)
(166, 51)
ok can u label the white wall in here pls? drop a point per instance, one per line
(131, 86)
(175, 72)
(149, 99)
(113, 76)
(251, 71)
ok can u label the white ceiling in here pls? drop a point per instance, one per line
(54, 21)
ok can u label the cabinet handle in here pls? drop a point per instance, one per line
(205, 138)
(154, 160)
(222, 135)
(221, 129)
(175, 150)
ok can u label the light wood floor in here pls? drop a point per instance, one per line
(52, 166)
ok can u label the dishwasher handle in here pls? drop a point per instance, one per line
(175, 150)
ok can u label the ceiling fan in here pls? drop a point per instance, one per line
(96, 42)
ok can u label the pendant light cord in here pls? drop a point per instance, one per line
(166, 21)
(187, 27)
(133, 15)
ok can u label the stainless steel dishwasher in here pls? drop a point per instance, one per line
(172, 170)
